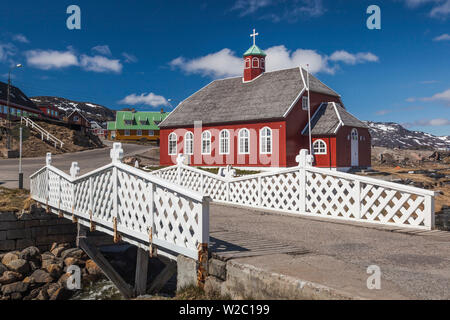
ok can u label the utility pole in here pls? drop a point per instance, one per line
(8, 111)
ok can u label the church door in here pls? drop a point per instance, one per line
(354, 147)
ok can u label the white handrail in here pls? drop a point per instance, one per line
(120, 199)
(42, 131)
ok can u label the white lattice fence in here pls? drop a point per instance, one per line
(128, 203)
(314, 191)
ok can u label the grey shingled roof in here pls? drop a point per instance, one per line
(16, 97)
(328, 117)
(230, 100)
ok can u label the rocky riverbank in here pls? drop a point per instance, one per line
(32, 275)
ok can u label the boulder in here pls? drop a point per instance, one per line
(40, 276)
(47, 255)
(16, 296)
(57, 251)
(70, 261)
(31, 254)
(43, 295)
(10, 256)
(73, 253)
(34, 265)
(61, 294)
(19, 265)
(48, 262)
(14, 287)
(92, 268)
(10, 277)
(2, 269)
(54, 270)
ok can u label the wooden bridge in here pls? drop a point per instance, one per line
(166, 212)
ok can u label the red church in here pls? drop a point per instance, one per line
(261, 120)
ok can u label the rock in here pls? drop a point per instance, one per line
(54, 270)
(52, 288)
(10, 277)
(31, 254)
(2, 269)
(33, 294)
(73, 253)
(19, 265)
(40, 276)
(70, 261)
(14, 287)
(16, 296)
(92, 268)
(47, 255)
(47, 262)
(33, 265)
(10, 256)
(61, 294)
(63, 280)
(43, 295)
(57, 251)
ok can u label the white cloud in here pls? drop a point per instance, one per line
(225, 63)
(149, 99)
(289, 11)
(442, 37)
(20, 38)
(250, 6)
(6, 50)
(279, 57)
(441, 96)
(100, 64)
(104, 50)
(441, 11)
(129, 58)
(51, 59)
(350, 58)
(429, 123)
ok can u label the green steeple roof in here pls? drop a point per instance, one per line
(254, 51)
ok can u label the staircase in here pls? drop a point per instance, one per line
(44, 133)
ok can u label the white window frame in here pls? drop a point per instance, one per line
(172, 138)
(253, 62)
(76, 118)
(139, 133)
(263, 140)
(354, 134)
(262, 63)
(207, 139)
(248, 60)
(225, 140)
(317, 142)
(126, 132)
(240, 138)
(305, 103)
(189, 138)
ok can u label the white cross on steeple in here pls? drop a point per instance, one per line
(254, 34)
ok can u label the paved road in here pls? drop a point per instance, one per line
(87, 160)
(412, 266)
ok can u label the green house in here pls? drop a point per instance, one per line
(136, 125)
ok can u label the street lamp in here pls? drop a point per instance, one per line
(8, 142)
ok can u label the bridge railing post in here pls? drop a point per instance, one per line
(116, 155)
(74, 171)
(203, 242)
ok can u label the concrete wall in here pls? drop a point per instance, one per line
(36, 228)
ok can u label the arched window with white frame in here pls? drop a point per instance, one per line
(189, 143)
(247, 63)
(354, 134)
(172, 143)
(255, 63)
(320, 147)
(244, 141)
(265, 140)
(206, 142)
(224, 142)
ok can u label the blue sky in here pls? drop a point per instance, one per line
(143, 53)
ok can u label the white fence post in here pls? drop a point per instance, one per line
(203, 221)
(357, 193)
(429, 219)
(259, 192)
(74, 171)
(302, 161)
(116, 155)
(48, 163)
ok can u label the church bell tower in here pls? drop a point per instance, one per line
(254, 60)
